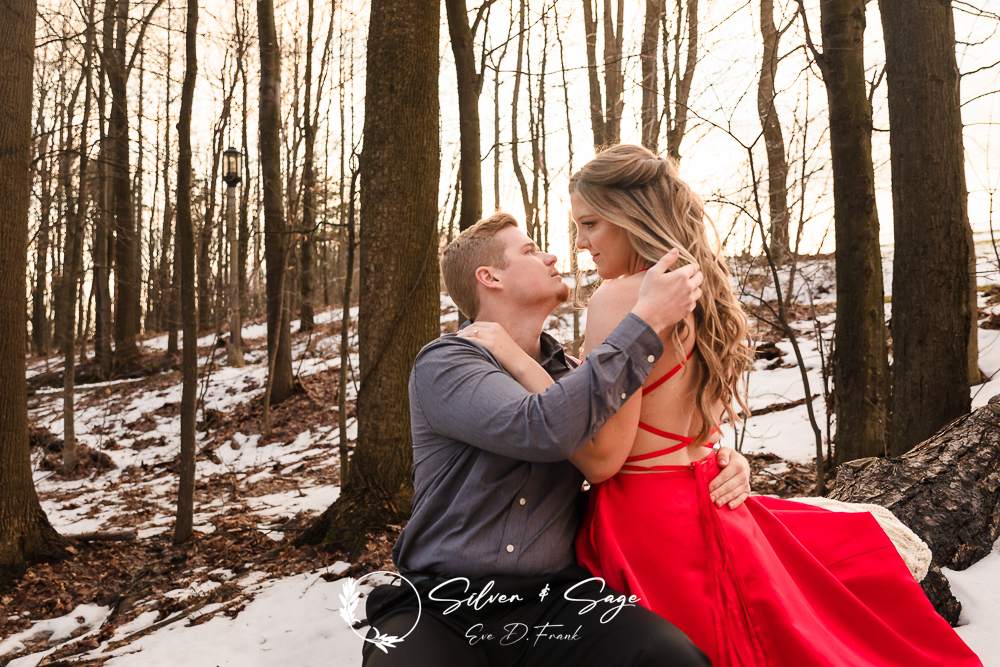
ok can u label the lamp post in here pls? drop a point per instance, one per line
(231, 176)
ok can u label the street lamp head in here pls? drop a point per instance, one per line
(231, 166)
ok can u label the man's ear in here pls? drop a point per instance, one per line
(488, 278)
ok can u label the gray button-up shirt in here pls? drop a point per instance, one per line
(493, 491)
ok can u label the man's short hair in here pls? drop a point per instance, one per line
(475, 247)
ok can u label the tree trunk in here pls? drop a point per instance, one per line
(530, 204)
(930, 296)
(279, 344)
(126, 274)
(677, 118)
(946, 489)
(74, 262)
(596, 107)
(244, 227)
(345, 336)
(650, 88)
(307, 261)
(777, 165)
(39, 317)
(102, 270)
(164, 288)
(399, 280)
(184, 526)
(614, 76)
(469, 87)
(861, 367)
(25, 533)
(235, 352)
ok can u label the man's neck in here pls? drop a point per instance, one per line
(523, 325)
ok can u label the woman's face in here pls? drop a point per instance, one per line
(607, 242)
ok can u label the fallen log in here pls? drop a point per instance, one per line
(946, 490)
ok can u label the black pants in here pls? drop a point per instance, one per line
(573, 623)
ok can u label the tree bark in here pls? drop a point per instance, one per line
(677, 118)
(163, 283)
(470, 83)
(614, 76)
(946, 489)
(399, 280)
(39, 316)
(279, 344)
(102, 278)
(126, 275)
(235, 352)
(25, 533)
(530, 203)
(931, 316)
(861, 367)
(184, 526)
(777, 165)
(74, 261)
(345, 335)
(650, 105)
(597, 125)
(307, 260)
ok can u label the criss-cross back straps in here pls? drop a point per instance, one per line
(672, 372)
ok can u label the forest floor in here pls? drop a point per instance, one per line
(237, 592)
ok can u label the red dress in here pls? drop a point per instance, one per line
(773, 583)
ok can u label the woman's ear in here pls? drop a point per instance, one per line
(487, 277)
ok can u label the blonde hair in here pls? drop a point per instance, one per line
(475, 247)
(640, 192)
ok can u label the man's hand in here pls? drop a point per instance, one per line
(732, 485)
(666, 298)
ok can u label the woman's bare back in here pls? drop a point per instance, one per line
(671, 407)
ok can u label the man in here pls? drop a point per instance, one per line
(489, 546)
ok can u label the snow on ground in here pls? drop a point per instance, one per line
(296, 620)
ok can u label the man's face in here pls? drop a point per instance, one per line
(531, 276)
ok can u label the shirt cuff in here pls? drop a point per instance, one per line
(638, 340)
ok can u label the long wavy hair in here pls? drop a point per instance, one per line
(641, 192)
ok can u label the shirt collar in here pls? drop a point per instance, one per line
(553, 356)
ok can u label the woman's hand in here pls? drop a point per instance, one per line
(732, 485)
(515, 361)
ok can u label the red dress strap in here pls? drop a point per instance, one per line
(660, 452)
(672, 372)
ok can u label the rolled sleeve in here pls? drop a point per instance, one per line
(466, 395)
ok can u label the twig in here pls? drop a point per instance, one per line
(105, 536)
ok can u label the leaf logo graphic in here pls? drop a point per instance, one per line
(350, 596)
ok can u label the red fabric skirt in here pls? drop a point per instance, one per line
(774, 582)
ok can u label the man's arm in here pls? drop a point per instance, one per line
(465, 395)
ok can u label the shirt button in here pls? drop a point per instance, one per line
(624, 395)
(510, 548)
(650, 358)
(522, 501)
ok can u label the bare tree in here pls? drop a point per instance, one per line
(184, 527)
(26, 535)
(399, 298)
(774, 143)
(606, 122)
(677, 110)
(279, 345)
(861, 365)
(127, 278)
(470, 85)
(931, 316)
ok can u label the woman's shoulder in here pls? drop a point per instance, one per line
(609, 305)
(617, 293)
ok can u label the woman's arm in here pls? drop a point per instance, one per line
(528, 373)
(603, 456)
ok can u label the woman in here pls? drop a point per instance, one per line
(771, 582)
